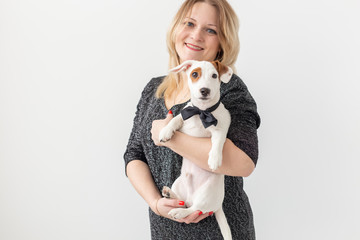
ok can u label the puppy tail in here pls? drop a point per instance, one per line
(223, 224)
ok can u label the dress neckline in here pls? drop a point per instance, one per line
(175, 108)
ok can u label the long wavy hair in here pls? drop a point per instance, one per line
(228, 38)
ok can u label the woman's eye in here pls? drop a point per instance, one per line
(214, 75)
(211, 31)
(194, 74)
(189, 24)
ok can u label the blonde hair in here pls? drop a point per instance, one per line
(228, 38)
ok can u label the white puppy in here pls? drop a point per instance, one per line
(205, 116)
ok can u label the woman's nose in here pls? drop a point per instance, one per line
(196, 34)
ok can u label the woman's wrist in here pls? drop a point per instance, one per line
(154, 206)
(157, 209)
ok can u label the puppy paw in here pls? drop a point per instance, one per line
(179, 213)
(166, 192)
(214, 161)
(166, 134)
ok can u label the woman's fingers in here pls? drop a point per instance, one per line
(174, 203)
(200, 217)
(195, 217)
(165, 205)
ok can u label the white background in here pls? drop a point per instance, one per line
(71, 74)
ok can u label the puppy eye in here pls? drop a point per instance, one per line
(214, 75)
(194, 74)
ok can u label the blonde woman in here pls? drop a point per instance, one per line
(201, 30)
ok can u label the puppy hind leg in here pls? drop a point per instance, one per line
(189, 186)
(179, 213)
(168, 193)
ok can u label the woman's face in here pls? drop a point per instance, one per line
(197, 38)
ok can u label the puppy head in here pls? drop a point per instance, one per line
(204, 79)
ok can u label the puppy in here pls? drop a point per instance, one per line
(204, 116)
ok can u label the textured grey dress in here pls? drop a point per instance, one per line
(165, 165)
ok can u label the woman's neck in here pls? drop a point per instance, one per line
(180, 95)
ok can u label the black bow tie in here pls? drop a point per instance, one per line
(206, 117)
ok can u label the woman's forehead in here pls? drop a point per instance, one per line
(202, 11)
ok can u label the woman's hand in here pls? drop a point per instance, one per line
(165, 205)
(157, 125)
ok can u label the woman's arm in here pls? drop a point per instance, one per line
(140, 177)
(235, 161)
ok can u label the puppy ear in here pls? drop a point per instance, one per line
(225, 72)
(182, 67)
(226, 76)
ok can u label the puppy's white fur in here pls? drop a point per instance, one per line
(200, 189)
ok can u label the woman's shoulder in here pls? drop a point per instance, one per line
(235, 86)
(235, 83)
(152, 85)
(236, 97)
(155, 82)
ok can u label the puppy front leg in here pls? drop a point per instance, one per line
(168, 131)
(218, 138)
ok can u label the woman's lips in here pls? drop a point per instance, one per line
(193, 47)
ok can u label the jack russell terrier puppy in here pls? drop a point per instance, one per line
(205, 116)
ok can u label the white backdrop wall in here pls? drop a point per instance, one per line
(71, 73)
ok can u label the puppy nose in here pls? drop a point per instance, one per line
(205, 91)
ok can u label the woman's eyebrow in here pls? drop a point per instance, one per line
(213, 25)
(190, 18)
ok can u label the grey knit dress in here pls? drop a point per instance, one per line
(165, 165)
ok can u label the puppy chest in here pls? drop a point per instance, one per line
(194, 127)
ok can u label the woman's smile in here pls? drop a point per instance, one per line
(193, 47)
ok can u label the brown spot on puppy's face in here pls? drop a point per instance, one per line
(195, 74)
(220, 68)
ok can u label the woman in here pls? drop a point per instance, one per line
(201, 30)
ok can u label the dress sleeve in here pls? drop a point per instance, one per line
(134, 149)
(245, 119)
